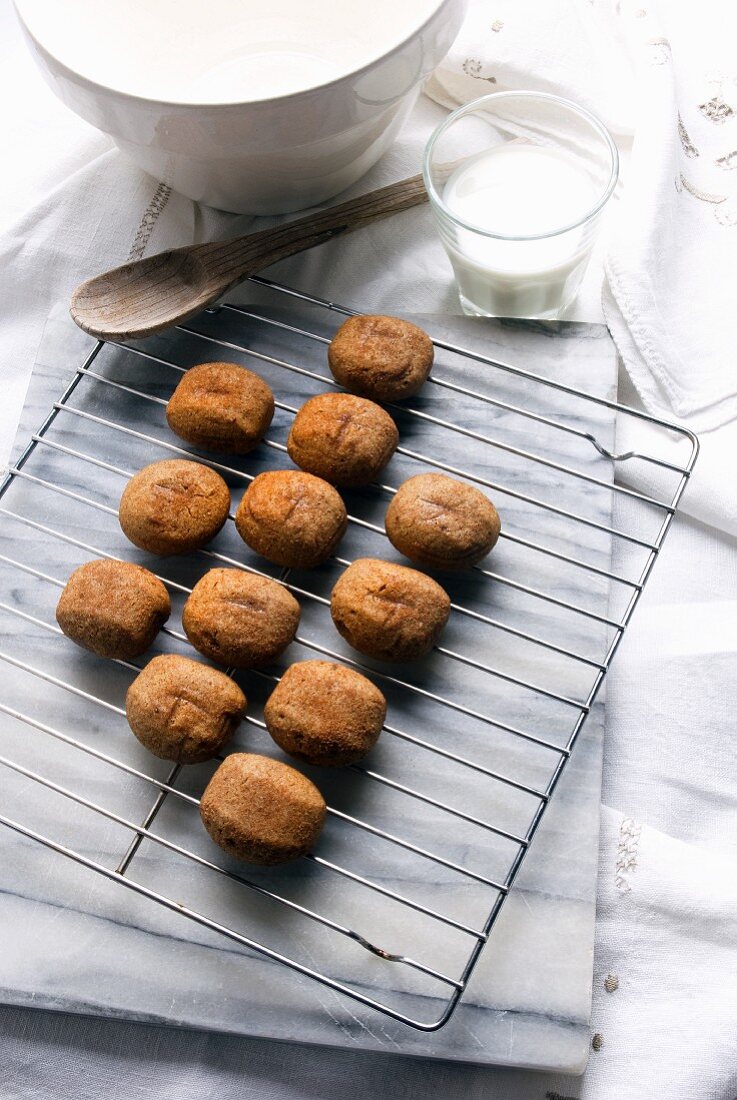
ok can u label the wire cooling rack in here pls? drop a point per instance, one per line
(425, 840)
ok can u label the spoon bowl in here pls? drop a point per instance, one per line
(147, 296)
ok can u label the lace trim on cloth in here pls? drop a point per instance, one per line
(472, 67)
(159, 199)
(705, 196)
(629, 839)
(688, 146)
(716, 110)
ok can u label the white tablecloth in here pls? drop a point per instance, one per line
(664, 1006)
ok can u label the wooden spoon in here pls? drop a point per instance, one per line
(149, 295)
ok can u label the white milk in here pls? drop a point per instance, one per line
(221, 51)
(516, 189)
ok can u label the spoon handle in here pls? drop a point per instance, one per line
(147, 296)
(230, 261)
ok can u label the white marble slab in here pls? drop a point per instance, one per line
(77, 942)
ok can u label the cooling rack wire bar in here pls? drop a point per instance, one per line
(447, 987)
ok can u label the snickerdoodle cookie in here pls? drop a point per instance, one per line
(240, 619)
(113, 608)
(383, 358)
(261, 810)
(221, 407)
(173, 507)
(389, 611)
(344, 439)
(292, 518)
(325, 713)
(442, 523)
(183, 710)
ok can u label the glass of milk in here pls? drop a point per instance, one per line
(517, 184)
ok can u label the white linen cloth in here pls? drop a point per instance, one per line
(665, 973)
(661, 74)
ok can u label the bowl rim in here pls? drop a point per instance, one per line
(186, 104)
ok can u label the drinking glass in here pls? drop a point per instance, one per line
(517, 183)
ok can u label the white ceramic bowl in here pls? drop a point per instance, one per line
(258, 106)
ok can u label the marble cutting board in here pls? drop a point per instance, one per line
(76, 942)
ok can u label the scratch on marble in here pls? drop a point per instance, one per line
(510, 1044)
(361, 1023)
(390, 1038)
(523, 899)
(327, 997)
(472, 1035)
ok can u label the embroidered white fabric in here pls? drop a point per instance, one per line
(661, 74)
(666, 76)
(665, 1019)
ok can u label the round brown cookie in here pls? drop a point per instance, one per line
(183, 710)
(325, 713)
(113, 608)
(261, 810)
(383, 358)
(173, 507)
(344, 439)
(442, 523)
(292, 518)
(389, 611)
(239, 618)
(221, 407)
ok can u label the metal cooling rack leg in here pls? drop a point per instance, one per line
(135, 843)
